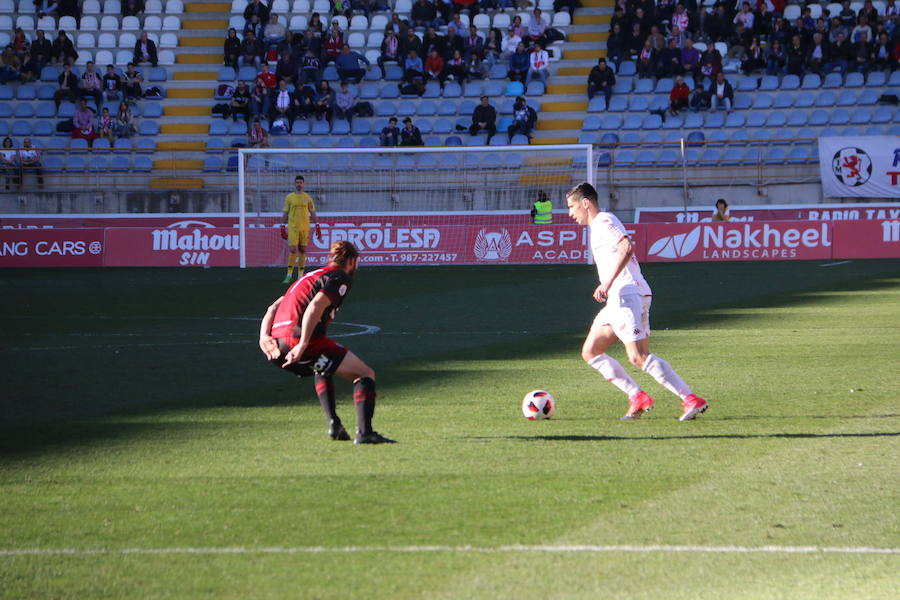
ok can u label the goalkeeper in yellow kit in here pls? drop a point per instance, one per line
(298, 210)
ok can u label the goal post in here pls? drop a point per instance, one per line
(448, 205)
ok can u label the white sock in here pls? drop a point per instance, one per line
(663, 372)
(615, 374)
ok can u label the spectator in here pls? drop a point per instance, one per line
(106, 125)
(68, 86)
(341, 7)
(721, 92)
(333, 43)
(524, 118)
(9, 160)
(510, 43)
(293, 45)
(882, 55)
(92, 85)
(861, 52)
(398, 26)
(518, 64)
(710, 62)
(796, 56)
(716, 25)
(840, 53)
(240, 102)
(537, 28)
(350, 64)
(310, 69)
(721, 212)
(390, 51)
(62, 50)
(601, 80)
(69, 8)
(646, 63)
(22, 49)
(315, 25)
(232, 49)
(520, 29)
(413, 70)
(286, 68)
(484, 118)
(41, 52)
(756, 58)
(46, 7)
(257, 136)
(410, 42)
(434, 65)
(133, 80)
(776, 59)
(681, 19)
(475, 68)
(132, 8)
(410, 134)
(456, 25)
(125, 125)
(324, 101)
(668, 63)
(423, 14)
(268, 77)
(861, 28)
(255, 27)
(492, 47)
(690, 60)
(284, 107)
(30, 161)
(818, 54)
(390, 135)
(145, 50)
(473, 44)
(306, 98)
(112, 84)
(455, 68)
(274, 32)
(83, 123)
(256, 7)
(433, 41)
(10, 65)
(260, 101)
(538, 63)
(344, 102)
(452, 43)
(678, 97)
(251, 51)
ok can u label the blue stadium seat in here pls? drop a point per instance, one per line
(710, 157)
(732, 156)
(768, 83)
(498, 71)
(623, 86)
(759, 136)
(825, 99)
(805, 136)
(474, 140)
(473, 89)
(854, 80)
(894, 130)
(45, 110)
(603, 159)
(797, 118)
(405, 108)
(631, 122)
(330, 74)
(776, 118)
(442, 125)
(227, 74)
(23, 110)
(664, 86)
(861, 116)
(144, 164)
(783, 101)
(447, 108)
(811, 81)
(591, 123)
(344, 142)
(696, 138)
(714, 119)
(611, 123)
(493, 89)
(829, 132)
(320, 128)
(895, 78)
(630, 138)
(503, 124)
(359, 126)
(617, 104)
(693, 120)
(883, 114)
(675, 122)
(340, 127)
(152, 128)
(735, 119)
(587, 138)
(799, 155)
(639, 104)
(50, 74)
(215, 144)
(157, 74)
(368, 91)
(426, 108)
(762, 100)
(238, 128)
(608, 140)
(152, 110)
(806, 99)
(747, 84)
(454, 140)
(669, 157)
(21, 128)
(425, 125)
(776, 155)
(851, 131)
(45, 92)
(390, 91)
(875, 130)
(218, 127)
(148, 145)
(643, 86)
(790, 82)
(652, 136)
(535, 88)
(846, 98)
(212, 164)
(781, 136)
(876, 79)
(741, 136)
(432, 89)
(43, 128)
(757, 119)
(101, 144)
(645, 158)
(653, 121)
(839, 116)
(26, 91)
(833, 80)
(818, 118)
(78, 145)
(626, 68)
(597, 104)
(513, 89)
(867, 98)
(75, 164)
(119, 163)
(393, 73)
(624, 158)
(370, 142)
(385, 108)
(246, 73)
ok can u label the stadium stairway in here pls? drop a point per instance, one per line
(190, 88)
(565, 103)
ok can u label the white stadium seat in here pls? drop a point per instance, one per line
(90, 7)
(237, 22)
(152, 23)
(112, 7)
(107, 40)
(123, 57)
(375, 39)
(127, 40)
(87, 24)
(25, 22)
(132, 23)
(298, 23)
(359, 23)
(562, 19)
(84, 57)
(109, 23)
(166, 57)
(174, 7)
(47, 23)
(356, 40)
(105, 57)
(67, 23)
(85, 41)
(153, 7)
(301, 7)
(378, 23)
(168, 40)
(279, 7)
(502, 21)
(238, 6)
(171, 23)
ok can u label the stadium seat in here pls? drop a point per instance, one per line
(664, 86)
(854, 80)
(776, 118)
(622, 87)
(432, 89)
(101, 144)
(612, 123)
(818, 118)
(806, 99)
(246, 73)
(783, 101)
(425, 125)
(618, 104)
(759, 136)
(825, 99)
(867, 98)
(811, 81)
(513, 89)
(675, 122)
(652, 121)
(45, 110)
(643, 86)
(591, 123)
(473, 89)
(756, 119)
(152, 110)
(301, 126)
(448, 107)
(227, 74)
(829, 132)
(368, 91)
(405, 109)
(393, 72)
(839, 116)
(587, 138)
(21, 128)
(426, 108)
(768, 83)
(218, 127)
(696, 137)
(535, 88)
(386, 109)
(454, 140)
(146, 145)
(732, 155)
(762, 100)
(861, 116)
(631, 122)
(747, 84)
(390, 91)
(882, 114)
(797, 118)
(627, 68)
(639, 104)
(876, 79)
(330, 74)
(597, 104)
(714, 119)
(790, 82)
(735, 119)
(43, 128)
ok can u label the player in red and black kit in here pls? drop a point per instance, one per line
(292, 336)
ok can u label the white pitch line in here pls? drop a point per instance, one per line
(651, 549)
(834, 264)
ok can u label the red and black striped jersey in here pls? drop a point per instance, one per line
(333, 281)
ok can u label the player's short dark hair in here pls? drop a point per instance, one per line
(585, 190)
(342, 252)
(300, 177)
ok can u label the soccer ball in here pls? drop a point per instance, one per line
(538, 405)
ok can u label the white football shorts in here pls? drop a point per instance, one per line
(628, 315)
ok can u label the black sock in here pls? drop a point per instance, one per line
(364, 399)
(325, 391)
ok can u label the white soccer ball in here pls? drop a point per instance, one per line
(538, 405)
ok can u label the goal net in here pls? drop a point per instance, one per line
(402, 206)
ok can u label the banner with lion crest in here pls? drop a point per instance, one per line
(860, 167)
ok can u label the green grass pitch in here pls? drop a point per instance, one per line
(148, 451)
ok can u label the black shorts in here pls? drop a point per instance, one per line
(322, 357)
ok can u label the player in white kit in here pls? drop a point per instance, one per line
(626, 316)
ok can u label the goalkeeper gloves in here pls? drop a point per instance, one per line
(284, 235)
(318, 232)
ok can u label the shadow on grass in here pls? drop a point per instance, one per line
(701, 436)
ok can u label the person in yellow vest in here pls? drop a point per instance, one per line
(298, 210)
(542, 210)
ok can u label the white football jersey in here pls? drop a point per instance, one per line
(606, 233)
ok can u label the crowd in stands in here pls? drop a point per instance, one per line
(679, 40)
(291, 64)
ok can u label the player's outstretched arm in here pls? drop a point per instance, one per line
(311, 317)
(266, 342)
